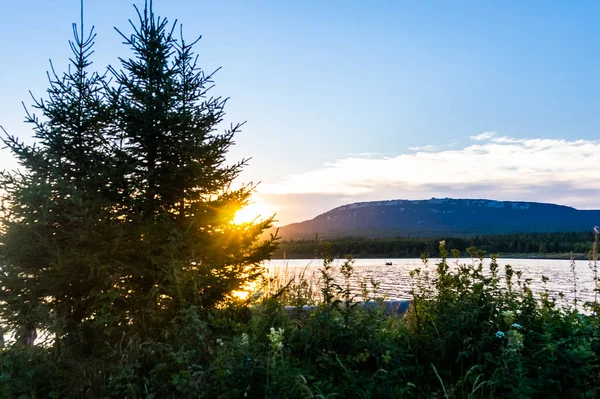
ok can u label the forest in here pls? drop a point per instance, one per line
(558, 245)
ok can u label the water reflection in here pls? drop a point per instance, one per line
(395, 281)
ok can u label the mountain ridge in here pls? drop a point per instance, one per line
(446, 216)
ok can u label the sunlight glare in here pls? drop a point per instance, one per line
(241, 295)
(253, 212)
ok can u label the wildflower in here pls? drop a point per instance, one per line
(245, 340)
(276, 339)
(517, 326)
(499, 334)
(220, 342)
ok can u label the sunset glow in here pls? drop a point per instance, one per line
(254, 211)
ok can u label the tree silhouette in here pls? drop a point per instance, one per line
(121, 214)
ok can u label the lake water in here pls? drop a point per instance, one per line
(395, 280)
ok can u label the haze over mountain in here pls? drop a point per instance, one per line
(442, 216)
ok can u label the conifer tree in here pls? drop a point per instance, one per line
(186, 250)
(53, 204)
(121, 215)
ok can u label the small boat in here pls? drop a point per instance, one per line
(388, 263)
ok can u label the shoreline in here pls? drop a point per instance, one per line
(557, 256)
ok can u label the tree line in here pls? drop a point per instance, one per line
(558, 243)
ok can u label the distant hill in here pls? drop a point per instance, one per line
(442, 217)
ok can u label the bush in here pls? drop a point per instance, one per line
(471, 332)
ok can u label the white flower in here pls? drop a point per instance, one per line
(276, 339)
(499, 334)
(220, 342)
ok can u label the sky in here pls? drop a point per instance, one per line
(350, 101)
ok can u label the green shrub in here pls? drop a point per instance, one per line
(472, 331)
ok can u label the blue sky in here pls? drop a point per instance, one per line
(349, 101)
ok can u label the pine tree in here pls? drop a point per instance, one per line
(121, 216)
(53, 205)
(187, 250)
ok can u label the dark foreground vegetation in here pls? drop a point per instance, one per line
(470, 333)
(120, 261)
(560, 245)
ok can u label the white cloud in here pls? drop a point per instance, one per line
(544, 170)
(429, 148)
(364, 154)
(483, 136)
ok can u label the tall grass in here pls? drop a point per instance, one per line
(474, 330)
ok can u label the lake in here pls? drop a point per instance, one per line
(395, 280)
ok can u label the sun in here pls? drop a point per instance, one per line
(253, 212)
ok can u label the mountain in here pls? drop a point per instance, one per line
(442, 216)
